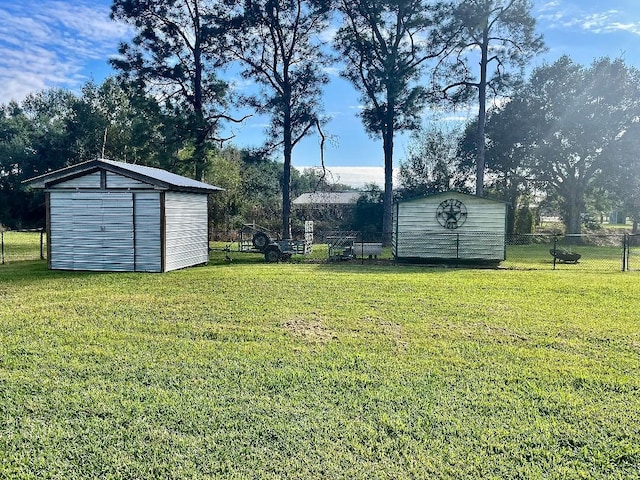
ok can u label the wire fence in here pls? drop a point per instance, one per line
(17, 245)
(585, 252)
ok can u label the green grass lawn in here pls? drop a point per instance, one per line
(254, 370)
(17, 246)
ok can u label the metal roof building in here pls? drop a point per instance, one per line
(112, 216)
(328, 198)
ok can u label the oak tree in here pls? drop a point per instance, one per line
(579, 130)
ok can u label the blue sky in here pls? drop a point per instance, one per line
(64, 43)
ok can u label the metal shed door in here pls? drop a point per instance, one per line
(96, 231)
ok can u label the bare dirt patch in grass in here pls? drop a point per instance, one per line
(394, 332)
(311, 329)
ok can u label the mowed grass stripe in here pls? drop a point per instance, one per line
(249, 370)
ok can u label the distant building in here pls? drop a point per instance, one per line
(328, 210)
(324, 199)
(112, 216)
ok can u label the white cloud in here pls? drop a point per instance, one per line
(626, 27)
(555, 15)
(48, 44)
(329, 34)
(331, 71)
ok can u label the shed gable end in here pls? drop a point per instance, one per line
(90, 180)
(115, 180)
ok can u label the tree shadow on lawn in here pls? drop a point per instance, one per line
(28, 271)
(355, 265)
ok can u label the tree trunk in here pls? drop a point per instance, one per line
(574, 206)
(200, 122)
(286, 174)
(387, 202)
(200, 152)
(482, 113)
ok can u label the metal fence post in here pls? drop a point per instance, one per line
(41, 244)
(624, 251)
(555, 248)
(629, 244)
(626, 255)
(2, 248)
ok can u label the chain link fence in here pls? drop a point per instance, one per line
(17, 245)
(585, 252)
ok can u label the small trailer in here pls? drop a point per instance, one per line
(253, 238)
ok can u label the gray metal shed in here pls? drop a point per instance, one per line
(450, 226)
(112, 216)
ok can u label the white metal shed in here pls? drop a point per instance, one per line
(450, 227)
(112, 216)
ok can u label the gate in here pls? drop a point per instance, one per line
(632, 252)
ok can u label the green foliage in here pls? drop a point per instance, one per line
(368, 212)
(383, 64)
(621, 175)
(55, 129)
(431, 165)
(318, 371)
(34, 141)
(496, 40)
(575, 125)
(175, 55)
(498, 36)
(525, 221)
(277, 45)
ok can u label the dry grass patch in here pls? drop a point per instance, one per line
(310, 329)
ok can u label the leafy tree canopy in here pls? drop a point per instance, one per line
(579, 124)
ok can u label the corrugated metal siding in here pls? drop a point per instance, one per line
(92, 180)
(92, 231)
(185, 230)
(419, 235)
(470, 246)
(147, 232)
(120, 181)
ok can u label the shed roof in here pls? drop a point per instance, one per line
(327, 198)
(154, 176)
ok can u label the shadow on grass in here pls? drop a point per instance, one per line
(28, 271)
(352, 266)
